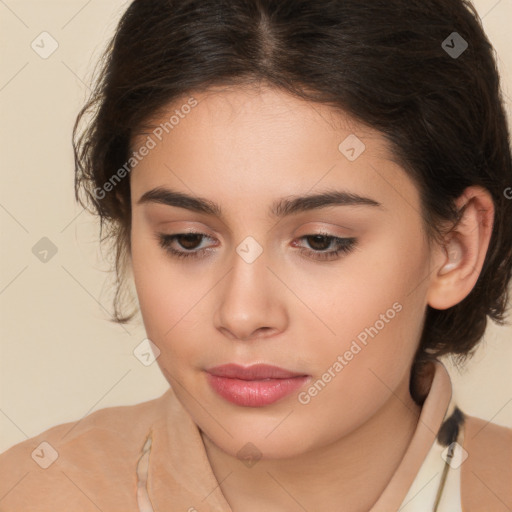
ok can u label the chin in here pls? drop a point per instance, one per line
(254, 444)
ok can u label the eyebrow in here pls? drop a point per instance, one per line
(281, 208)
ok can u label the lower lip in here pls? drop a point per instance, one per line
(254, 393)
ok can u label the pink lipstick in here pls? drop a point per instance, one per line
(254, 386)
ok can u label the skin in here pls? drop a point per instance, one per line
(245, 148)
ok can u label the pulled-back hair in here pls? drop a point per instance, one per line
(386, 63)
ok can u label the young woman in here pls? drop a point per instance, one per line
(313, 199)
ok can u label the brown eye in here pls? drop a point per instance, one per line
(189, 241)
(320, 244)
(187, 244)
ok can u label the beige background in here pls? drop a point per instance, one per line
(60, 358)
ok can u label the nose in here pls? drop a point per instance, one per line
(251, 301)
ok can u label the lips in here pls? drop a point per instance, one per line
(254, 372)
(254, 386)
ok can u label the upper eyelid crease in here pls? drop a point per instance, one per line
(281, 208)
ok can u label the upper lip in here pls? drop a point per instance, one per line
(253, 372)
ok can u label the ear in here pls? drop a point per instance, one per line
(458, 263)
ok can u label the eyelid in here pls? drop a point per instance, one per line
(324, 228)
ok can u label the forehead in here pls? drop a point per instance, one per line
(262, 142)
(255, 114)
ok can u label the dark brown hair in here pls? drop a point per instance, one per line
(386, 63)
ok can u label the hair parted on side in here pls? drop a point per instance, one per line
(381, 62)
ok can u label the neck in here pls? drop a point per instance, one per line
(349, 474)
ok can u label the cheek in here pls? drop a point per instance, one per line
(157, 290)
(170, 303)
(382, 283)
(375, 311)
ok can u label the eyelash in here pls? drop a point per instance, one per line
(345, 246)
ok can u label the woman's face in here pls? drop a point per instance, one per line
(263, 284)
